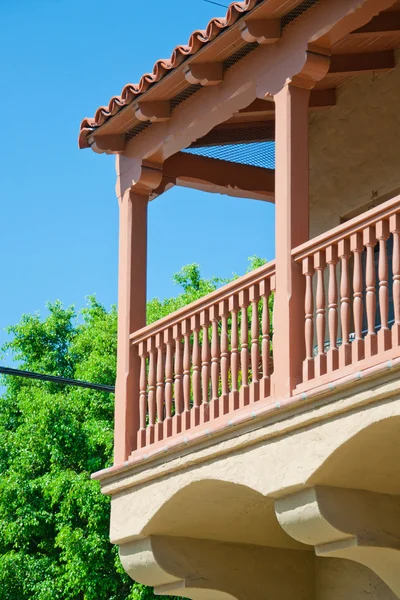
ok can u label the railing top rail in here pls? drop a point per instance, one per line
(222, 293)
(346, 229)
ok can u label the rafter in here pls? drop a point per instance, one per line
(384, 23)
(217, 175)
(361, 63)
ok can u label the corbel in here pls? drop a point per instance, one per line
(315, 68)
(153, 111)
(204, 73)
(110, 144)
(262, 31)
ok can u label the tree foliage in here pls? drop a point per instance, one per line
(54, 521)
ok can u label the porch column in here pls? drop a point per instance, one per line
(131, 317)
(292, 229)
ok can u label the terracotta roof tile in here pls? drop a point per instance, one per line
(197, 40)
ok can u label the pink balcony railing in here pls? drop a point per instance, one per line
(206, 360)
(352, 297)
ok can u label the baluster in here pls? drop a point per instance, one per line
(186, 375)
(333, 352)
(254, 297)
(234, 395)
(196, 366)
(265, 384)
(160, 386)
(357, 346)
(244, 348)
(224, 400)
(214, 406)
(371, 346)
(205, 367)
(395, 230)
(142, 395)
(384, 335)
(345, 348)
(320, 361)
(273, 292)
(308, 365)
(151, 391)
(169, 381)
(178, 392)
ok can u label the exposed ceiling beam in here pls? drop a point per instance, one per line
(217, 175)
(237, 133)
(361, 63)
(384, 23)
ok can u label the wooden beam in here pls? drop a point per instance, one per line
(237, 133)
(258, 130)
(262, 31)
(320, 99)
(361, 63)
(384, 24)
(200, 170)
(204, 73)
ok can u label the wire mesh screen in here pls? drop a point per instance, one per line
(184, 95)
(297, 12)
(129, 135)
(255, 154)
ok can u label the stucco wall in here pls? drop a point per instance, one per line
(338, 579)
(355, 148)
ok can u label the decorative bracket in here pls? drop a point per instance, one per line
(262, 31)
(314, 70)
(204, 73)
(153, 111)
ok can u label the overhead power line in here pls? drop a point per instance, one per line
(54, 379)
(216, 3)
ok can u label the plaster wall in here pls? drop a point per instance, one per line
(355, 149)
(338, 579)
(155, 499)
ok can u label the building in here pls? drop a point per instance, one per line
(258, 459)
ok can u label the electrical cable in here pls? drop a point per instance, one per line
(55, 379)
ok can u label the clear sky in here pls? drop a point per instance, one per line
(61, 59)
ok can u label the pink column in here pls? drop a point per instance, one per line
(131, 317)
(292, 229)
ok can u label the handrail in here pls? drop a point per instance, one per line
(346, 229)
(221, 293)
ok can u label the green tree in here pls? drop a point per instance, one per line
(54, 521)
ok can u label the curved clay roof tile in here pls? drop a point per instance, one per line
(196, 41)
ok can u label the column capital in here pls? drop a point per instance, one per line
(138, 176)
(315, 68)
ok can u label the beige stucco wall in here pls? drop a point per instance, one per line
(355, 148)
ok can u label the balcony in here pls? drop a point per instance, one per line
(210, 365)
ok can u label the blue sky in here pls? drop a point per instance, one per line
(61, 59)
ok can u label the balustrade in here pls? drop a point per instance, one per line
(207, 359)
(359, 263)
(214, 357)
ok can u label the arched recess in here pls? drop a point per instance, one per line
(369, 460)
(222, 511)
(215, 540)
